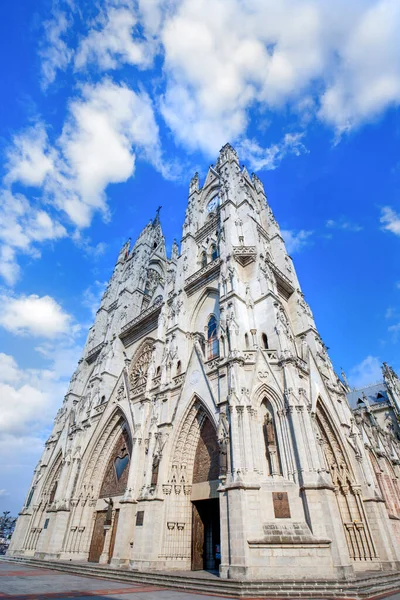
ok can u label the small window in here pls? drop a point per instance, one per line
(214, 252)
(103, 399)
(178, 368)
(246, 341)
(154, 245)
(46, 524)
(29, 500)
(213, 345)
(158, 371)
(203, 259)
(264, 341)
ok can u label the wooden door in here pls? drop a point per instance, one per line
(197, 540)
(113, 535)
(97, 543)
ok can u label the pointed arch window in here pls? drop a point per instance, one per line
(246, 341)
(212, 339)
(214, 252)
(203, 259)
(264, 341)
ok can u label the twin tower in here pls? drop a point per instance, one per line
(205, 427)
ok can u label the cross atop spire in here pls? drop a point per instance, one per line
(157, 217)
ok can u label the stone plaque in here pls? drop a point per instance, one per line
(281, 505)
(139, 518)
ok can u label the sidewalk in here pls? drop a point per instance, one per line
(19, 582)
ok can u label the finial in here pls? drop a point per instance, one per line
(344, 377)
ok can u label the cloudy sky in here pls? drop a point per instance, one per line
(107, 108)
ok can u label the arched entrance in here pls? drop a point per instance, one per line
(192, 529)
(114, 484)
(206, 539)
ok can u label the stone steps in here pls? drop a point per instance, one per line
(365, 586)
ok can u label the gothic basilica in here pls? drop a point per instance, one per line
(204, 427)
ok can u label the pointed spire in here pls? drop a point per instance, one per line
(124, 252)
(194, 184)
(156, 220)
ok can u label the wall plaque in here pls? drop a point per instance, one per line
(281, 505)
(139, 518)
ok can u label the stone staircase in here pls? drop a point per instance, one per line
(366, 586)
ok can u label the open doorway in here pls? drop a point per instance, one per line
(206, 535)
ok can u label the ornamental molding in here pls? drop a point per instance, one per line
(244, 255)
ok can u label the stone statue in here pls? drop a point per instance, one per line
(110, 505)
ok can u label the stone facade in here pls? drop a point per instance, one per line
(204, 426)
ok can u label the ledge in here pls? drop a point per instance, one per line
(202, 277)
(141, 325)
(93, 353)
(283, 283)
(288, 534)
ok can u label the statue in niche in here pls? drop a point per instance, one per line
(154, 469)
(271, 445)
(223, 441)
(269, 429)
(110, 505)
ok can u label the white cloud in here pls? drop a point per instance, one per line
(55, 53)
(96, 147)
(270, 158)
(9, 268)
(22, 227)
(337, 62)
(29, 158)
(92, 296)
(390, 220)
(34, 315)
(37, 393)
(296, 240)
(106, 128)
(366, 78)
(29, 399)
(113, 42)
(366, 372)
(223, 59)
(343, 224)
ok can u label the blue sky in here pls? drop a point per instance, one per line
(107, 109)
